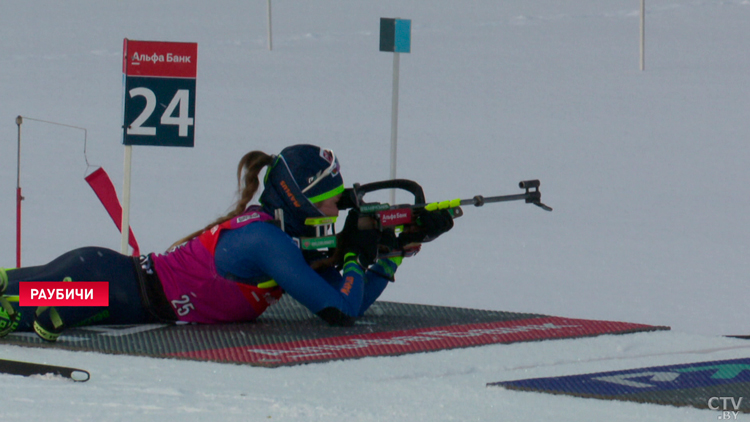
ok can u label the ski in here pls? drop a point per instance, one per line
(29, 368)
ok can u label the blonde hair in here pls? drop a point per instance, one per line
(248, 182)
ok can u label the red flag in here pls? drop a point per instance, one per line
(102, 185)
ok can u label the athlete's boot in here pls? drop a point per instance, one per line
(47, 323)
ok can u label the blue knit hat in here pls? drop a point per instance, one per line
(316, 171)
(300, 177)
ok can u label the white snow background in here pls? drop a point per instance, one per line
(646, 171)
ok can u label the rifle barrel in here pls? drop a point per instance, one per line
(480, 200)
(530, 197)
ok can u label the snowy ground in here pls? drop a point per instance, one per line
(442, 386)
(646, 172)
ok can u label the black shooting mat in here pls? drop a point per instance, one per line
(288, 334)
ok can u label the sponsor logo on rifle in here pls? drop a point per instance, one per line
(395, 217)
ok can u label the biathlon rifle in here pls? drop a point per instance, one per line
(393, 221)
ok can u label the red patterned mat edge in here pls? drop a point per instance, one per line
(414, 340)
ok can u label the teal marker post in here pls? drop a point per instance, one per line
(395, 37)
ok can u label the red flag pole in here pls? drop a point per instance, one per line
(19, 197)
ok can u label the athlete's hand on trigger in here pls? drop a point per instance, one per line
(361, 241)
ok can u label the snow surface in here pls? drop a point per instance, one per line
(646, 172)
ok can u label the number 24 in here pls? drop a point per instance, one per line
(182, 121)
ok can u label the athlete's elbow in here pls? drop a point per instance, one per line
(336, 317)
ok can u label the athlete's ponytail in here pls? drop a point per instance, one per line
(248, 172)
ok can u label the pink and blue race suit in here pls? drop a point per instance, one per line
(222, 274)
(217, 277)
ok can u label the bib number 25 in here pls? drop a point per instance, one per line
(183, 306)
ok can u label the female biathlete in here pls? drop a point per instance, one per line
(235, 267)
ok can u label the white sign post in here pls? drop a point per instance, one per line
(643, 35)
(394, 122)
(159, 103)
(395, 37)
(270, 33)
(125, 239)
